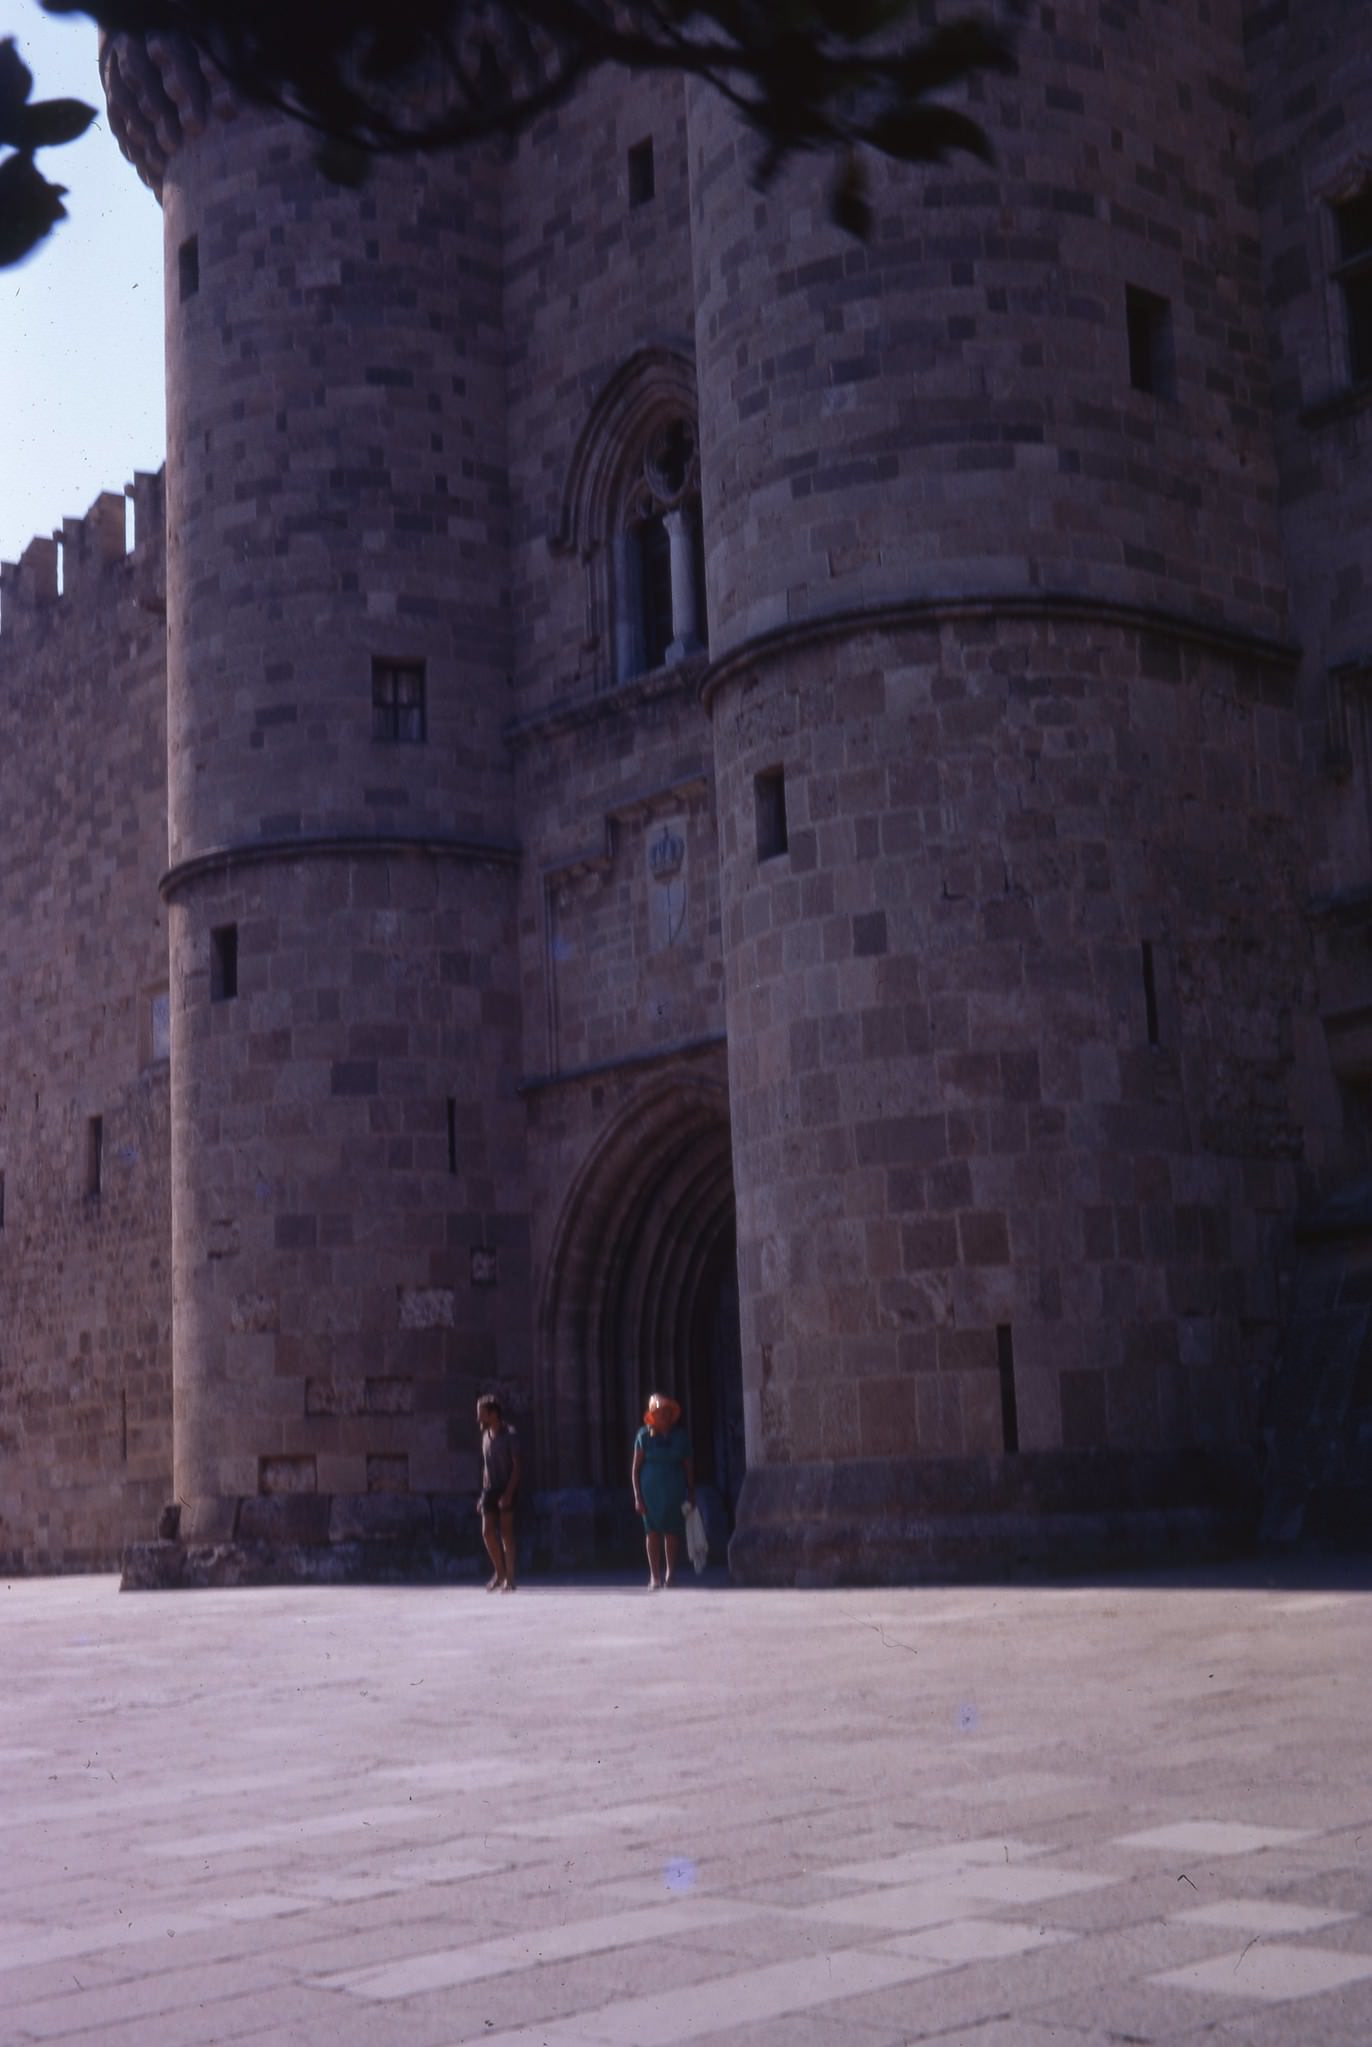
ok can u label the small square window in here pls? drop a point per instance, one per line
(398, 702)
(188, 267)
(642, 177)
(224, 963)
(769, 795)
(1152, 364)
(1353, 273)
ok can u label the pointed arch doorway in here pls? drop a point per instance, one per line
(643, 1295)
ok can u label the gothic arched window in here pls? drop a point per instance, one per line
(631, 511)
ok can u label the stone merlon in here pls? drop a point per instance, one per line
(161, 91)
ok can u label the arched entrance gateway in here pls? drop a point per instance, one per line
(641, 1293)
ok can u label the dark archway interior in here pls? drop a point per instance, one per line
(646, 1294)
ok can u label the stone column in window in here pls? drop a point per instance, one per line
(680, 525)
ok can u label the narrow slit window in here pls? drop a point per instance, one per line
(1152, 361)
(769, 795)
(95, 1155)
(1150, 992)
(452, 1135)
(2, 1201)
(642, 176)
(1353, 274)
(188, 267)
(398, 702)
(224, 963)
(1005, 1365)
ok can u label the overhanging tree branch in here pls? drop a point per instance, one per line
(388, 77)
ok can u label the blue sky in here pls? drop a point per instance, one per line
(81, 402)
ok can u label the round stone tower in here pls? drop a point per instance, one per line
(1009, 818)
(350, 1236)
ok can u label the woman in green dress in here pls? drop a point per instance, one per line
(663, 1481)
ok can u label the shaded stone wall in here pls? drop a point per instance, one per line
(989, 846)
(351, 1251)
(85, 1274)
(621, 967)
(1015, 1025)
(1312, 107)
(621, 955)
(1024, 1049)
(949, 409)
(350, 1215)
(336, 491)
(590, 279)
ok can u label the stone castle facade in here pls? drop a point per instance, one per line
(672, 799)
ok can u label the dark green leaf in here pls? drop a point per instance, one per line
(928, 134)
(50, 122)
(16, 83)
(29, 208)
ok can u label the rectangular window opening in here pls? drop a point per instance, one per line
(95, 1155)
(1005, 1365)
(1152, 361)
(224, 963)
(769, 794)
(452, 1135)
(188, 267)
(1353, 273)
(1150, 992)
(2, 1201)
(398, 702)
(642, 178)
(655, 590)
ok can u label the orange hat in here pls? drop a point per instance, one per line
(662, 1412)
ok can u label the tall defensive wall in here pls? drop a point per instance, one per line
(85, 1204)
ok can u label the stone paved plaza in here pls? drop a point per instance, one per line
(1036, 1816)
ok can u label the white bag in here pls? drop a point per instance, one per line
(697, 1541)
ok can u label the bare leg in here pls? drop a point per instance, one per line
(490, 1535)
(654, 1559)
(507, 1539)
(673, 1545)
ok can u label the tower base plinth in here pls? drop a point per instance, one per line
(894, 1522)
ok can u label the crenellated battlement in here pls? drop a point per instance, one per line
(73, 569)
(161, 93)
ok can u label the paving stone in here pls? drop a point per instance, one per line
(683, 1832)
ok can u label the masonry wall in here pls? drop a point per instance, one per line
(1019, 1095)
(350, 1218)
(590, 279)
(1025, 1074)
(1025, 1060)
(1312, 107)
(949, 409)
(85, 1276)
(350, 1221)
(621, 965)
